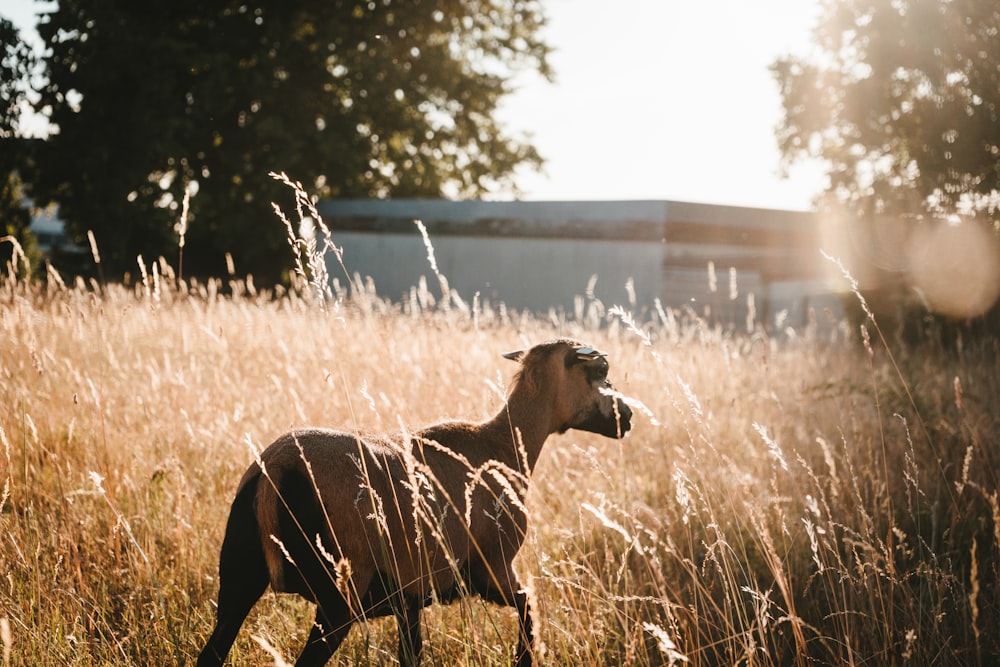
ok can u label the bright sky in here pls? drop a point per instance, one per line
(666, 99)
(656, 99)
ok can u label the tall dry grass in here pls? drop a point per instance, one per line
(786, 502)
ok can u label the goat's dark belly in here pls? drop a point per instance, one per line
(382, 597)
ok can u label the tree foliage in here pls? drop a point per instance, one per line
(17, 62)
(356, 99)
(901, 99)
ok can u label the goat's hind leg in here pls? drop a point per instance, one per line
(243, 578)
(335, 615)
(334, 612)
(236, 599)
(333, 622)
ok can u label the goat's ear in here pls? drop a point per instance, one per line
(514, 356)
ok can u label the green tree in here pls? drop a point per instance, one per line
(17, 62)
(355, 99)
(902, 101)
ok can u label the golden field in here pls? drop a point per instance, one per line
(783, 501)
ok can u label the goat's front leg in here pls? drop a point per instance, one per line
(525, 640)
(408, 620)
(505, 588)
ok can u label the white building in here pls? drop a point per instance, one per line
(722, 261)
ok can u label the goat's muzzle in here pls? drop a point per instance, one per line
(613, 425)
(623, 419)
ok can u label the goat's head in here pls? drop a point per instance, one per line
(577, 375)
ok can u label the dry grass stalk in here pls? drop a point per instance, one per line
(694, 526)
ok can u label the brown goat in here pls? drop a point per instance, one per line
(370, 526)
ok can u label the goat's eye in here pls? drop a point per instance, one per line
(597, 372)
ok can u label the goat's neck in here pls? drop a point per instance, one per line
(526, 422)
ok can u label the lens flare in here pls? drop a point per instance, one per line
(955, 267)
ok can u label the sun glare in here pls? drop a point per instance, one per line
(955, 267)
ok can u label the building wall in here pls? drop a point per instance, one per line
(540, 255)
(527, 274)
